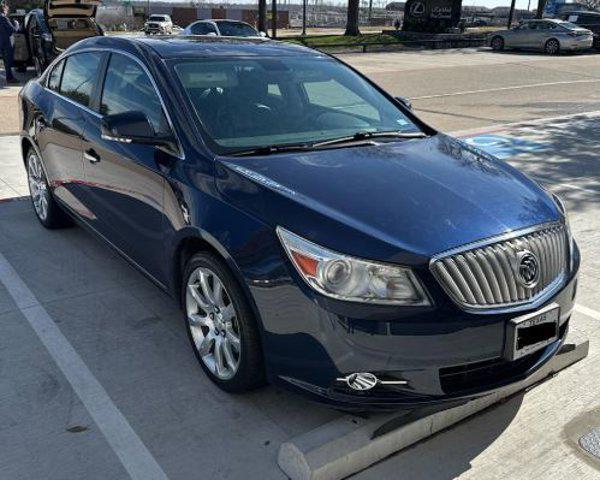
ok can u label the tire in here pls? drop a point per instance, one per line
(552, 47)
(213, 321)
(497, 44)
(45, 207)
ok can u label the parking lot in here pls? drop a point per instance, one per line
(97, 379)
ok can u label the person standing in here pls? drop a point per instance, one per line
(7, 42)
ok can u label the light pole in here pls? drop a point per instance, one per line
(274, 18)
(304, 18)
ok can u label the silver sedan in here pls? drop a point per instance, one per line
(549, 35)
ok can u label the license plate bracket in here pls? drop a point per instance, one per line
(529, 333)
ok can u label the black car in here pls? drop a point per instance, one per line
(47, 32)
(316, 232)
(589, 20)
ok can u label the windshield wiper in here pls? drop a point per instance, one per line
(359, 136)
(358, 139)
(271, 149)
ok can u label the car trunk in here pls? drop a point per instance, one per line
(71, 21)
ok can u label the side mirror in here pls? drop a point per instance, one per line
(405, 101)
(262, 34)
(132, 127)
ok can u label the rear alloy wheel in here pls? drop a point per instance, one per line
(47, 211)
(497, 44)
(552, 47)
(221, 326)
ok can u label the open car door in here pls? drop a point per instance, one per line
(71, 20)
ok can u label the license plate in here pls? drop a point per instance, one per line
(531, 332)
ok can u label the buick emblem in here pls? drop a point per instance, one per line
(527, 269)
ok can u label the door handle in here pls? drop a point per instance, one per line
(91, 156)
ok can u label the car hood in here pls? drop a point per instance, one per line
(417, 197)
(71, 8)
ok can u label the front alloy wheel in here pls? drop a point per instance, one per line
(220, 325)
(213, 323)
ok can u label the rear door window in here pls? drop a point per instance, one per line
(80, 76)
(55, 76)
(203, 29)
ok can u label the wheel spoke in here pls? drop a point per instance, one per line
(206, 290)
(219, 360)
(232, 338)
(205, 346)
(228, 353)
(195, 293)
(218, 292)
(197, 320)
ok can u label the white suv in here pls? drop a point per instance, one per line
(158, 24)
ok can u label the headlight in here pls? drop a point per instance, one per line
(352, 279)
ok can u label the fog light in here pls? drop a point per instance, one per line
(364, 381)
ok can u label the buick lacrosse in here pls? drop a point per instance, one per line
(317, 233)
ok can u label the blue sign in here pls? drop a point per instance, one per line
(504, 147)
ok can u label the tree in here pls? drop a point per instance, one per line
(591, 4)
(352, 21)
(262, 16)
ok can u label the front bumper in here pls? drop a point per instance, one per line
(444, 353)
(583, 43)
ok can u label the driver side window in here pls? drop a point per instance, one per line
(127, 88)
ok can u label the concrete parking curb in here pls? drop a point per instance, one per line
(350, 444)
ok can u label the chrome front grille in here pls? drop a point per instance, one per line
(488, 276)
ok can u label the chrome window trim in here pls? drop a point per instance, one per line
(180, 154)
(542, 298)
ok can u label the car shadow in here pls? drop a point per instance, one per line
(567, 153)
(450, 453)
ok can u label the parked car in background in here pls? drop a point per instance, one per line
(589, 20)
(317, 233)
(158, 25)
(222, 28)
(549, 35)
(61, 23)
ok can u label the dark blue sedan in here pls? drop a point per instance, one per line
(317, 233)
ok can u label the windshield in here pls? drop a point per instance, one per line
(157, 18)
(569, 25)
(251, 103)
(236, 29)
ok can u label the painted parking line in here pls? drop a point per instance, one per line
(502, 89)
(588, 312)
(131, 451)
(522, 124)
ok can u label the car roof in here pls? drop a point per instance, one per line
(183, 46)
(583, 12)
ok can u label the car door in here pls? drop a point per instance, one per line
(126, 181)
(515, 37)
(60, 122)
(544, 31)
